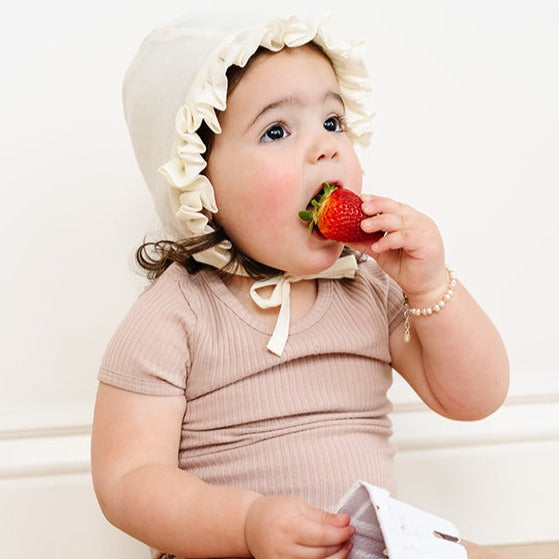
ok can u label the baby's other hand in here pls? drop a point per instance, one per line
(279, 526)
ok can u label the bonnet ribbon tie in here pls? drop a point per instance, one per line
(344, 267)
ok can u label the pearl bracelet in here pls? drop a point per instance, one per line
(428, 311)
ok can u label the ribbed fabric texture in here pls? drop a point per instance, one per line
(309, 423)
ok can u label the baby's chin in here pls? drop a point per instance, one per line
(319, 261)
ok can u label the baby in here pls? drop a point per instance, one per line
(246, 389)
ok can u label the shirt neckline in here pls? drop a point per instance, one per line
(321, 304)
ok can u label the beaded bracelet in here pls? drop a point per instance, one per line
(428, 311)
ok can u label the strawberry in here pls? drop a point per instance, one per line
(337, 213)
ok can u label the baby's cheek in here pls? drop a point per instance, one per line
(356, 174)
(277, 190)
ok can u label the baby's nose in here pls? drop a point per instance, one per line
(324, 147)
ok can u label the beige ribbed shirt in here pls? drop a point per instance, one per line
(309, 423)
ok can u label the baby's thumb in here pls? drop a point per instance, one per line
(331, 519)
(325, 517)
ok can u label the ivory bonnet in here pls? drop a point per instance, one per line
(177, 79)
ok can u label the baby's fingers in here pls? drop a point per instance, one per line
(385, 222)
(324, 529)
(407, 239)
(341, 552)
(321, 535)
(329, 552)
(373, 205)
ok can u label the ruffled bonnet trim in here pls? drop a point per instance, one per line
(192, 195)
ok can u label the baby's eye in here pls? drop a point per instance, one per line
(334, 124)
(275, 132)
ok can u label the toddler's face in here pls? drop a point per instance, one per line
(282, 137)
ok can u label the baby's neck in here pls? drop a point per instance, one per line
(302, 298)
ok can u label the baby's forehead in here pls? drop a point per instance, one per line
(287, 65)
(292, 78)
(263, 54)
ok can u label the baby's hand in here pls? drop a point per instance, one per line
(412, 250)
(288, 527)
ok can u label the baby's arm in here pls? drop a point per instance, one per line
(142, 491)
(455, 360)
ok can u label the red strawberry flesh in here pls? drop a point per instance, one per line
(336, 212)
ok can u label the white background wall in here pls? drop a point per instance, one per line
(466, 96)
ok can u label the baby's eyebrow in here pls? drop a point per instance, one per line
(293, 100)
(289, 100)
(335, 96)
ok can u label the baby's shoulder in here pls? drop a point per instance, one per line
(149, 350)
(168, 286)
(168, 298)
(371, 273)
(373, 283)
(381, 289)
(174, 284)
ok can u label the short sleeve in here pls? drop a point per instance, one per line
(149, 352)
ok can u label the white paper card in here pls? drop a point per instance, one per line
(386, 527)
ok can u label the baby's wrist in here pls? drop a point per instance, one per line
(431, 293)
(434, 309)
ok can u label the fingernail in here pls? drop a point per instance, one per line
(366, 226)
